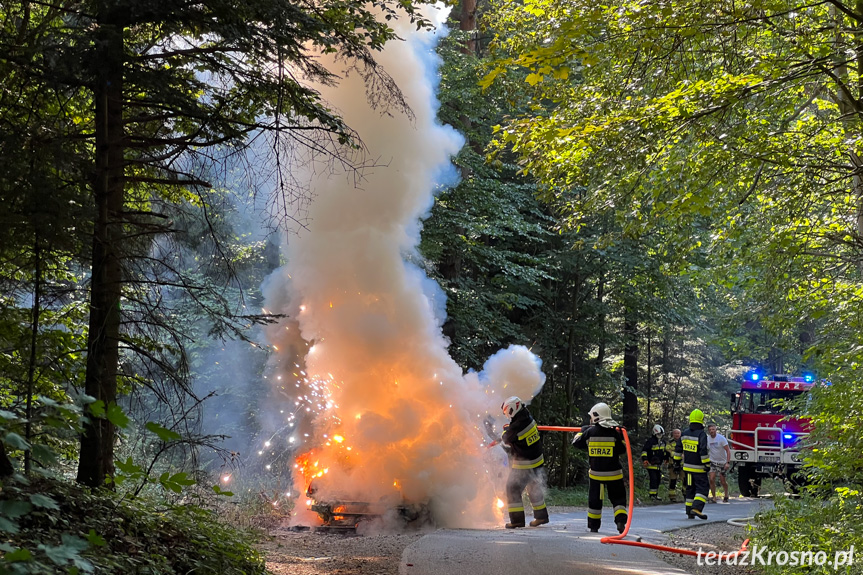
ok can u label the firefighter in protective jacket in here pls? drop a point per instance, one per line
(604, 443)
(522, 442)
(695, 454)
(675, 470)
(652, 457)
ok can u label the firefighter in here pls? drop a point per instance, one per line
(522, 442)
(693, 451)
(604, 443)
(653, 455)
(674, 468)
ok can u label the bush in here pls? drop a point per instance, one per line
(813, 523)
(58, 527)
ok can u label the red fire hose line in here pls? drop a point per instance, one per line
(619, 539)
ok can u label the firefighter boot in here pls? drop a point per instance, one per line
(540, 517)
(516, 519)
(621, 526)
(697, 513)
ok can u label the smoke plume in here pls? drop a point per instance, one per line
(381, 412)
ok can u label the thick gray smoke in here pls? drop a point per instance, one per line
(394, 419)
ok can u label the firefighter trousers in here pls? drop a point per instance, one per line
(673, 474)
(697, 488)
(533, 481)
(655, 477)
(617, 496)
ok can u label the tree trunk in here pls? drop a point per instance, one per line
(649, 366)
(850, 109)
(6, 468)
(467, 23)
(96, 464)
(630, 375)
(667, 418)
(674, 401)
(570, 383)
(34, 340)
(600, 294)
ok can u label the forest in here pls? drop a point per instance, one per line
(653, 198)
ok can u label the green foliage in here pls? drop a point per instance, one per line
(697, 135)
(573, 496)
(106, 534)
(517, 267)
(813, 524)
(163, 433)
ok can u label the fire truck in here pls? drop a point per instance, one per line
(765, 439)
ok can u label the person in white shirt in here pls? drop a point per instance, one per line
(720, 459)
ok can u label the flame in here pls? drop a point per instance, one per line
(500, 503)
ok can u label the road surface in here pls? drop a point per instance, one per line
(564, 546)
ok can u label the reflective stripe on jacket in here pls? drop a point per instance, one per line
(604, 447)
(692, 449)
(524, 442)
(654, 452)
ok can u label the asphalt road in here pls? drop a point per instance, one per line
(564, 546)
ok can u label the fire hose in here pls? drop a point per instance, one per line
(619, 539)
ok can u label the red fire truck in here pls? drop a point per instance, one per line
(764, 440)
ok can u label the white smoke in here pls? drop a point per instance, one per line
(395, 419)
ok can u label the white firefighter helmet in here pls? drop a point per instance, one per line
(658, 430)
(512, 406)
(600, 412)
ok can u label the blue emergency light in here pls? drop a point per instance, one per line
(787, 436)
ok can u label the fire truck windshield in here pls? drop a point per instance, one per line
(767, 401)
